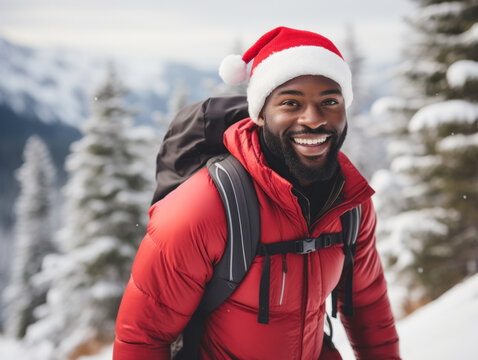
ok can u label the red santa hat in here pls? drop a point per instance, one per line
(281, 55)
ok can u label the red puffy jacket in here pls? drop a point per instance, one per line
(186, 238)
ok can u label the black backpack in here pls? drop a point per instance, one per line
(194, 140)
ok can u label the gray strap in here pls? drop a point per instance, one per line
(350, 228)
(243, 228)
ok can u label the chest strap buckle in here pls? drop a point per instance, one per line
(305, 246)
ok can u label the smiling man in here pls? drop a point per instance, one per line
(298, 92)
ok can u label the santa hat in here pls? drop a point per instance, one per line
(281, 55)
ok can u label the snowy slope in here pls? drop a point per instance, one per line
(56, 84)
(442, 330)
(446, 328)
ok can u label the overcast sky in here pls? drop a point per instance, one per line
(198, 32)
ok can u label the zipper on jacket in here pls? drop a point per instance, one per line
(333, 196)
(323, 213)
(284, 272)
(306, 213)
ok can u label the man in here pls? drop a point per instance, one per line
(297, 95)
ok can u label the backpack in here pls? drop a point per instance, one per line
(194, 140)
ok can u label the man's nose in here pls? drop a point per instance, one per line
(312, 117)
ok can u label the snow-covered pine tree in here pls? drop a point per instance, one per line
(434, 156)
(449, 132)
(33, 236)
(107, 196)
(395, 193)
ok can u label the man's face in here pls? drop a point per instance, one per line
(305, 125)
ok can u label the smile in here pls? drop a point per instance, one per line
(311, 146)
(316, 140)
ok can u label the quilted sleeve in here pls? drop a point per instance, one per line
(371, 330)
(170, 271)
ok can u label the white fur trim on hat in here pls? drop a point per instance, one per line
(290, 63)
(233, 70)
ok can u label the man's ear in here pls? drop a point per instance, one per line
(260, 119)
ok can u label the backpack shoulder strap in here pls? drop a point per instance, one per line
(241, 207)
(350, 229)
(243, 228)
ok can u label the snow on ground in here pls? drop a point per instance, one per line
(442, 330)
(445, 329)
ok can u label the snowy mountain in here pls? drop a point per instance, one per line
(55, 84)
(49, 92)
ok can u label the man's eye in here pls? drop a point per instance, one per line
(290, 103)
(330, 102)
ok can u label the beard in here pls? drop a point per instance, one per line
(284, 151)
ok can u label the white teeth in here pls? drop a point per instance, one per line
(310, 141)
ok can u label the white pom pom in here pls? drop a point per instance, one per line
(233, 70)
